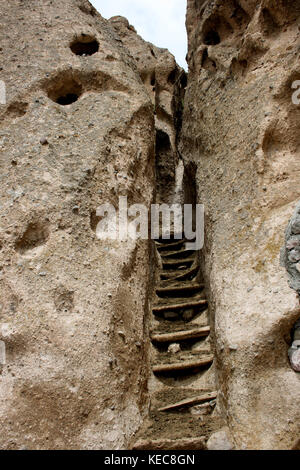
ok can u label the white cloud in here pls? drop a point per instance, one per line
(161, 22)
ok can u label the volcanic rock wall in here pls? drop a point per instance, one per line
(87, 103)
(165, 82)
(77, 132)
(241, 134)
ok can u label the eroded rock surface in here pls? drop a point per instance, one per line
(93, 113)
(77, 131)
(165, 82)
(240, 136)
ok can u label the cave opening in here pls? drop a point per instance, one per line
(172, 77)
(212, 38)
(65, 90)
(85, 46)
(69, 98)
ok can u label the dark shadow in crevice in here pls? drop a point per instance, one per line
(172, 76)
(85, 46)
(211, 38)
(67, 86)
(215, 30)
(66, 92)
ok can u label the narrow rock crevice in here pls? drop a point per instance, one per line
(182, 390)
(182, 385)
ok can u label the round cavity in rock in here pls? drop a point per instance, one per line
(172, 76)
(36, 234)
(65, 91)
(212, 38)
(69, 98)
(84, 46)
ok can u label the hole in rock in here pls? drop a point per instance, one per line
(69, 98)
(162, 141)
(268, 23)
(85, 46)
(212, 38)
(215, 30)
(36, 234)
(183, 80)
(65, 91)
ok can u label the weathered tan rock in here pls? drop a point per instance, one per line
(70, 379)
(88, 102)
(220, 440)
(165, 82)
(240, 142)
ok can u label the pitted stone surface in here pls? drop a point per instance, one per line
(239, 137)
(77, 131)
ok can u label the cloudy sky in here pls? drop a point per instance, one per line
(161, 22)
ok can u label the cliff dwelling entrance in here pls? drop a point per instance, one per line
(85, 46)
(65, 90)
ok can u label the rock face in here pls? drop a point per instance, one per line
(77, 131)
(165, 82)
(240, 141)
(93, 112)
